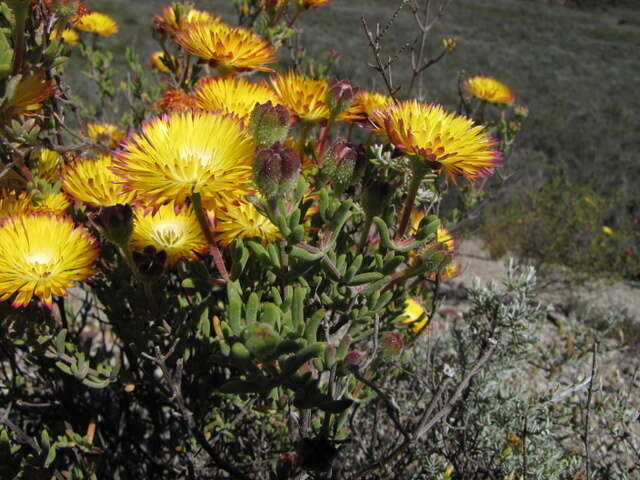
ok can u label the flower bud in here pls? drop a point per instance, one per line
(269, 124)
(338, 165)
(449, 44)
(150, 262)
(340, 95)
(276, 171)
(116, 223)
(391, 344)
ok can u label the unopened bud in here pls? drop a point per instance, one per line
(392, 344)
(150, 262)
(449, 44)
(269, 124)
(353, 359)
(340, 95)
(116, 222)
(338, 165)
(276, 171)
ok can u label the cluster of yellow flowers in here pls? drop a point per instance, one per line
(199, 145)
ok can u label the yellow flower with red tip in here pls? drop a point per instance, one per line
(232, 95)
(489, 89)
(31, 92)
(98, 23)
(92, 182)
(170, 229)
(106, 133)
(445, 141)
(173, 20)
(176, 99)
(227, 48)
(42, 255)
(367, 104)
(305, 97)
(309, 4)
(242, 220)
(48, 164)
(182, 153)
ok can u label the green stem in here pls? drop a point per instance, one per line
(365, 233)
(196, 201)
(419, 171)
(20, 12)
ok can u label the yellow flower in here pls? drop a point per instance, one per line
(607, 230)
(28, 96)
(92, 182)
(489, 89)
(449, 44)
(49, 202)
(157, 60)
(176, 232)
(232, 95)
(13, 203)
(176, 99)
(415, 315)
(48, 164)
(242, 220)
(182, 153)
(309, 4)
(443, 140)
(42, 255)
(446, 240)
(227, 48)
(68, 35)
(367, 104)
(171, 22)
(97, 23)
(105, 133)
(305, 97)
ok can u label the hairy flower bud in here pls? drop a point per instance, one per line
(392, 344)
(269, 124)
(116, 222)
(150, 262)
(338, 165)
(340, 95)
(276, 171)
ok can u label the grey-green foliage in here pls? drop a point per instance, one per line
(484, 434)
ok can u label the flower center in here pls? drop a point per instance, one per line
(38, 263)
(169, 234)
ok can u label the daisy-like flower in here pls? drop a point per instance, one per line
(489, 89)
(173, 20)
(176, 99)
(98, 23)
(28, 96)
(367, 105)
(242, 220)
(48, 164)
(42, 255)
(305, 97)
(446, 240)
(415, 316)
(443, 140)
(49, 202)
(13, 202)
(183, 153)
(106, 133)
(227, 48)
(309, 4)
(176, 232)
(68, 35)
(232, 95)
(91, 181)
